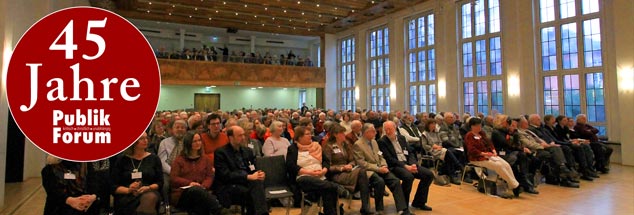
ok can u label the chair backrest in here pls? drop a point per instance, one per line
(275, 169)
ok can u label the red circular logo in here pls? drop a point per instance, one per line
(83, 84)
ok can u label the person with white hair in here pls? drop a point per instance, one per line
(275, 144)
(601, 151)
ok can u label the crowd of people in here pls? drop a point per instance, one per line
(202, 162)
(217, 54)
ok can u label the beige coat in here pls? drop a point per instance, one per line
(369, 158)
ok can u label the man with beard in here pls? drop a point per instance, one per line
(170, 148)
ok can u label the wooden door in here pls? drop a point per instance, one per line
(206, 102)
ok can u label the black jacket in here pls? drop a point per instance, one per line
(232, 167)
(389, 153)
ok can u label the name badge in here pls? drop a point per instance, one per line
(69, 176)
(502, 153)
(380, 153)
(251, 167)
(137, 175)
(337, 151)
(250, 145)
(476, 137)
(405, 152)
(303, 153)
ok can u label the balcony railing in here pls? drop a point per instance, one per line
(206, 73)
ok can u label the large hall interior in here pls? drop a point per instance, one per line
(550, 58)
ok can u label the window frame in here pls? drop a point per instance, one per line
(582, 70)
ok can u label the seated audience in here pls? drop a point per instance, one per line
(368, 156)
(601, 151)
(482, 153)
(307, 164)
(191, 177)
(506, 142)
(214, 138)
(137, 178)
(236, 180)
(546, 153)
(72, 187)
(157, 134)
(275, 144)
(343, 168)
(432, 144)
(403, 163)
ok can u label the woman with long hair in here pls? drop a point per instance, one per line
(191, 177)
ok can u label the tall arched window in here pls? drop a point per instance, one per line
(379, 72)
(481, 56)
(347, 73)
(421, 63)
(570, 51)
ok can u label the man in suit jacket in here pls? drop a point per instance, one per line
(236, 180)
(368, 156)
(601, 151)
(402, 162)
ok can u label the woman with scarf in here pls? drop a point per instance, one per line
(307, 165)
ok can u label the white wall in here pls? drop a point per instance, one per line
(16, 16)
(182, 97)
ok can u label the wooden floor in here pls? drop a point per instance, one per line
(611, 194)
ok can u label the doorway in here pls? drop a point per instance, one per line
(206, 102)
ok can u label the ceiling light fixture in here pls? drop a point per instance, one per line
(302, 13)
(148, 11)
(298, 2)
(195, 8)
(266, 8)
(209, 18)
(353, 11)
(190, 16)
(169, 14)
(236, 13)
(245, 5)
(255, 16)
(319, 15)
(284, 11)
(216, 11)
(317, 5)
(260, 87)
(150, 3)
(224, 2)
(173, 5)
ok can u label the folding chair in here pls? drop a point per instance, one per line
(275, 183)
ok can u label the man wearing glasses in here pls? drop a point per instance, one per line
(214, 138)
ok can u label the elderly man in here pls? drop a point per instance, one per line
(368, 156)
(449, 133)
(601, 151)
(355, 134)
(578, 149)
(236, 180)
(539, 129)
(410, 132)
(546, 152)
(402, 162)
